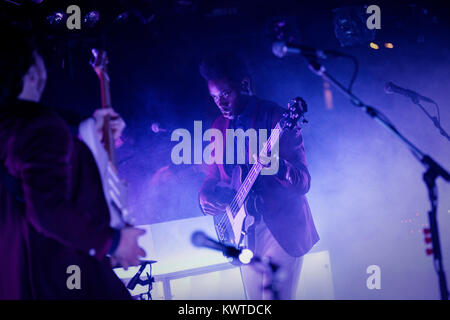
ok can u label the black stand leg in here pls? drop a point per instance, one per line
(430, 180)
(271, 269)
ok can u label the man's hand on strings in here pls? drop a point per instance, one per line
(116, 122)
(215, 202)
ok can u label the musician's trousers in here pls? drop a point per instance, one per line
(254, 277)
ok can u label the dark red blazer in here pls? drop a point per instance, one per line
(285, 211)
(64, 218)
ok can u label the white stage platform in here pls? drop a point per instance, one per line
(187, 272)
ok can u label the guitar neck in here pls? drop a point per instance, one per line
(253, 174)
(107, 133)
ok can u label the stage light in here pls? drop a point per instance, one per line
(374, 46)
(56, 18)
(91, 18)
(122, 17)
(388, 45)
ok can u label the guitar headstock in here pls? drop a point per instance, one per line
(297, 108)
(99, 62)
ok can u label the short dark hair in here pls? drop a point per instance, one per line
(16, 57)
(224, 65)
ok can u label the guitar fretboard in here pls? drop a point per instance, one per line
(106, 103)
(253, 174)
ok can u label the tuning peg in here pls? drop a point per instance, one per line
(427, 240)
(426, 230)
(302, 103)
(429, 251)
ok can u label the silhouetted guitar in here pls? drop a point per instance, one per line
(114, 188)
(233, 226)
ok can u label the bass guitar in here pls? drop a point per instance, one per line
(233, 226)
(115, 189)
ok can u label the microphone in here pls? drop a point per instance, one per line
(200, 239)
(282, 48)
(390, 88)
(136, 279)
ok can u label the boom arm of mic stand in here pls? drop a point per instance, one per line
(434, 170)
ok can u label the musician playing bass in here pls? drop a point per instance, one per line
(284, 229)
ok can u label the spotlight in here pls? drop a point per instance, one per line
(374, 46)
(122, 17)
(91, 18)
(56, 18)
(389, 45)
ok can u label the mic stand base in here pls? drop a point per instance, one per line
(430, 180)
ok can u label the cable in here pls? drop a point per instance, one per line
(355, 72)
(339, 54)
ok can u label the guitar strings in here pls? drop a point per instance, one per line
(253, 174)
(234, 205)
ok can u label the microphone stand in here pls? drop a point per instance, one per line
(199, 239)
(273, 286)
(433, 169)
(137, 280)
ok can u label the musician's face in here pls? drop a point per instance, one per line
(226, 96)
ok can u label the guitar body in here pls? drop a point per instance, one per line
(233, 229)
